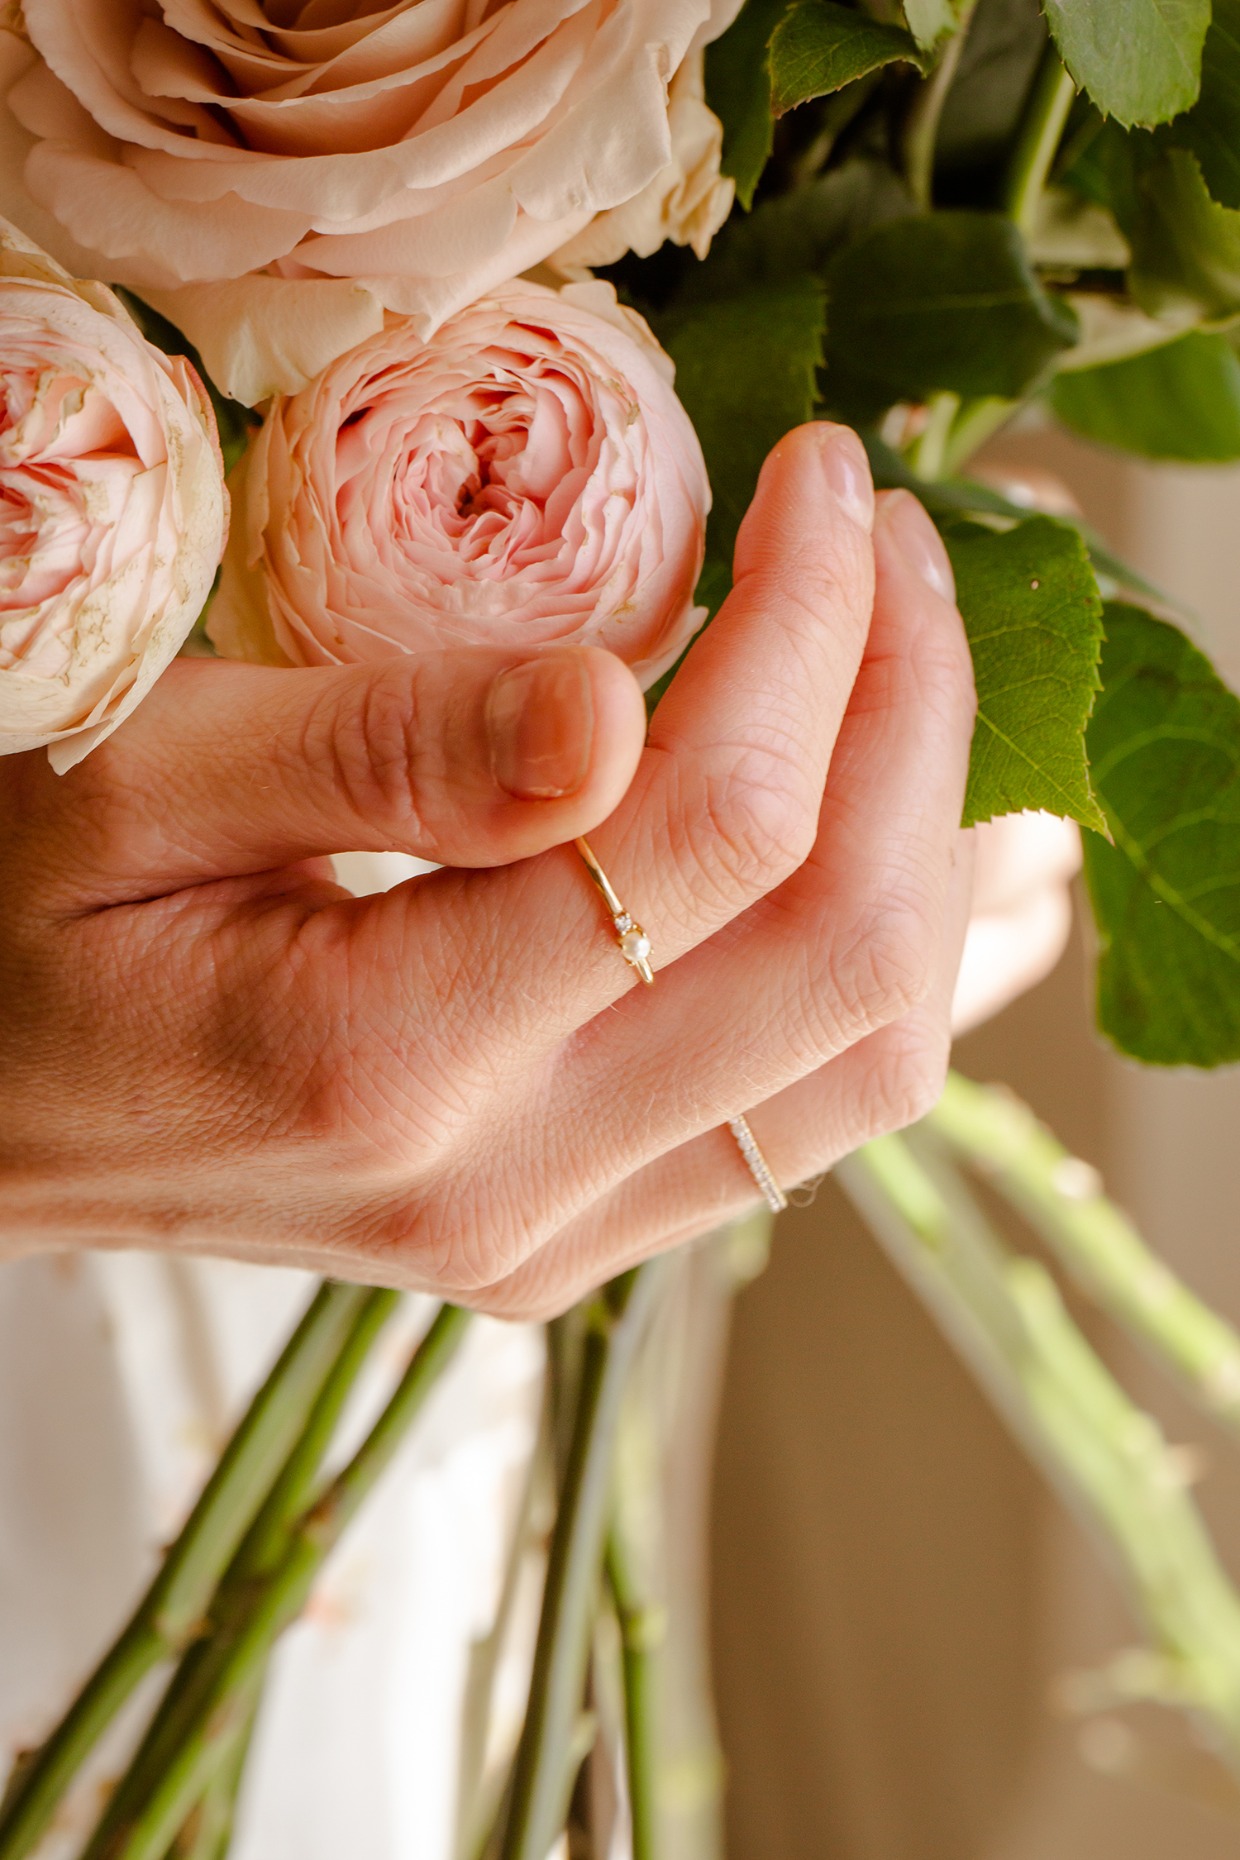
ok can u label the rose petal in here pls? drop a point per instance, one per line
(526, 477)
(112, 507)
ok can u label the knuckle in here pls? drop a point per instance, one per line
(522, 1299)
(793, 579)
(943, 669)
(374, 747)
(478, 1235)
(884, 969)
(753, 826)
(906, 1078)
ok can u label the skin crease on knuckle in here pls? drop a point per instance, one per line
(905, 1079)
(753, 824)
(378, 751)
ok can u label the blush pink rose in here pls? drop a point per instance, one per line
(112, 507)
(526, 477)
(425, 153)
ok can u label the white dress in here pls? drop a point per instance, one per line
(121, 1375)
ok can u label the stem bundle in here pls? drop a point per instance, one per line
(542, 1776)
(1108, 1458)
(239, 1573)
(167, 1618)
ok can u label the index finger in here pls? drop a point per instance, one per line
(725, 803)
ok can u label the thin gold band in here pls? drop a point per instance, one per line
(634, 946)
(759, 1168)
(631, 939)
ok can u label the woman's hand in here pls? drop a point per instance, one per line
(1023, 869)
(459, 1085)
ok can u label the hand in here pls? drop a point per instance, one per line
(1022, 911)
(459, 1085)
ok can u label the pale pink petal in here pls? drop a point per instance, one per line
(112, 507)
(435, 149)
(527, 476)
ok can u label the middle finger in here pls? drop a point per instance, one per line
(851, 943)
(725, 802)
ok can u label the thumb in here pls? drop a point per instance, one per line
(460, 756)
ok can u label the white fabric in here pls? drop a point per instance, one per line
(120, 1377)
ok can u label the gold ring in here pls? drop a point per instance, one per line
(759, 1167)
(633, 943)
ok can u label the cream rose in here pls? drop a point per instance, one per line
(112, 507)
(527, 476)
(687, 201)
(409, 157)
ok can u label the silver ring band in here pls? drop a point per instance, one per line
(758, 1167)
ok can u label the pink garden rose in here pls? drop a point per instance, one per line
(408, 157)
(526, 477)
(112, 507)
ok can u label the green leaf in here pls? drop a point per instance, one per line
(949, 499)
(1185, 247)
(738, 89)
(1211, 129)
(941, 301)
(1105, 170)
(745, 372)
(819, 47)
(1164, 748)
(932, 20)
(1181, 401)
(1034, 621)
(1140, 60)
(798, 231)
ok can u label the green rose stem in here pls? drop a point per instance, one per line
(921, 131)
(643, 1631)
(221, 1706)
(954, 430)
(1037, 142)
(657, 1546)
(1109, 1460)
(536, 1801)
(928, 453)
(259, 1554)
(1062, 1199)
(169, 1615)
(207, 1835)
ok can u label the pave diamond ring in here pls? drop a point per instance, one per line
(758, 1166)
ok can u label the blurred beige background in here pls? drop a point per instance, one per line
(896, 1593)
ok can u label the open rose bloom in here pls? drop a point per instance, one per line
(402, 157)
(526, 477)
(112, 507)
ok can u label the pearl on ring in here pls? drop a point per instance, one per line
(634, 945)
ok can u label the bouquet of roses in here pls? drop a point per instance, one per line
(331, 334)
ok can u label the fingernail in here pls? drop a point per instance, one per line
(902, 518)
(847, 472)
(540, 726)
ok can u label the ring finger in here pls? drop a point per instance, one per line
(882, 1084)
